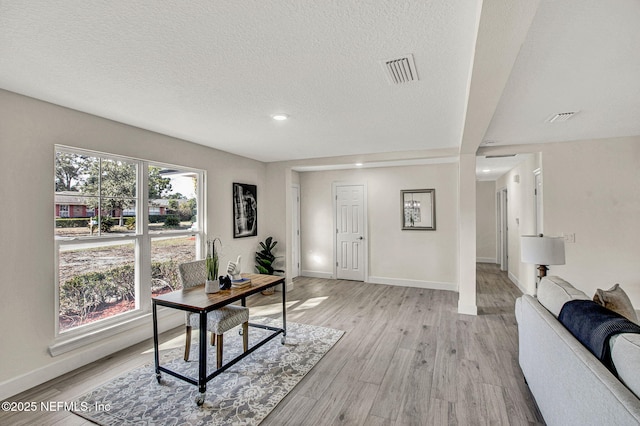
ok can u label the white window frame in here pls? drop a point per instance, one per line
(98, 330)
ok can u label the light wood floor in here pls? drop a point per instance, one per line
(407, 358)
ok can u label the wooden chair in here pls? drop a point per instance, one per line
(218, 321)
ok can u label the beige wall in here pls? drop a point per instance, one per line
(416, 258)
(592, 189)
(28, 131)
(486, 221)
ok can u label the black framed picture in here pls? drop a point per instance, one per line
(245, 210)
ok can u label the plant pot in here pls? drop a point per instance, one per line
(212, 286)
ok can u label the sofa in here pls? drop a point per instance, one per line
(571, 386)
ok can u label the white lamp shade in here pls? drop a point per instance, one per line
(542, 250)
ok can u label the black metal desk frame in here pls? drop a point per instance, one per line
(203, 378)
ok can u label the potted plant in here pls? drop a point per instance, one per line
(212, 263)
(266, 259)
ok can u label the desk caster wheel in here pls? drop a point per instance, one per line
(159, 378)
(283, 340)
(200, 400)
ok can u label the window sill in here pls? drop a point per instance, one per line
(67, 343)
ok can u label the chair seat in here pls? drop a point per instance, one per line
(221, 320)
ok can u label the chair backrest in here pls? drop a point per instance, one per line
(193, 273)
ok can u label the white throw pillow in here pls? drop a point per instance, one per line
(625, 354)
(554, 292)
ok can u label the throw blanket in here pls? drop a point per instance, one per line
(593, 325)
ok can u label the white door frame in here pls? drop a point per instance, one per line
(295, 230)
(537, 199)
(365, 227)
(503, 229)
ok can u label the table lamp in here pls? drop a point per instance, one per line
(542, 251)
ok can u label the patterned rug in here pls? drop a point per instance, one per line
(243, 395)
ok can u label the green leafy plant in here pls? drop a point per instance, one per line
(106, 223)
(266, 259)
(171, 221)
(130, 223)
(212, 261)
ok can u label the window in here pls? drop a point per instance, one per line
(126, 213)
(64, 210)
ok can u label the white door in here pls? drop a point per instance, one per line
(295, 231)
(350, 232)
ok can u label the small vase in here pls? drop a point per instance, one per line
(211, 286)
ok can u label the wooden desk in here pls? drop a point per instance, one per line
(194, 299)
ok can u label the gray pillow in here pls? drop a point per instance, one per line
(554, 292)
(616, 300)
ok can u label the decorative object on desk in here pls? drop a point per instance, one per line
(241, 283)
(242, 394)
(225, 282)
(418, 209)
(266, 260)
(245, 210)
(212, 263)
(235, 269)
(542, 251)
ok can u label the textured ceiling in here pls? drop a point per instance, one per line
(213, 72)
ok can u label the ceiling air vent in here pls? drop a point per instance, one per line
(400, 70)
(563, 116)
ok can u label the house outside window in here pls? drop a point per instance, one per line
(101, 256)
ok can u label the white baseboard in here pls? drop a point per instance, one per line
(316, 274)
(86, 355)
(516, 281)
(486, 260)
(414, 283)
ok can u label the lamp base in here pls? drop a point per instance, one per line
(542, 271)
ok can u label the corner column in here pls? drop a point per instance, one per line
(467, 235)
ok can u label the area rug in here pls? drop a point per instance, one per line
(243, 395)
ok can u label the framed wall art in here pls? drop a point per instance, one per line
(418, 209)
(245, 210)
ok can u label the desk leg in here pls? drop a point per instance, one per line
(202, 359)
(284, 310)
(155, 341)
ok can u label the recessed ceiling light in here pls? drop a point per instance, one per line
(280, 116)
(486, 170)
(358, 164)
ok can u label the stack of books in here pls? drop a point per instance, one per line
(241, 283)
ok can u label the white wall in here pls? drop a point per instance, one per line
(592, 189)
(486, 221)
(28, 131)
(415, 258)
